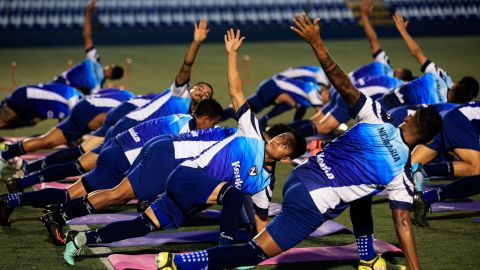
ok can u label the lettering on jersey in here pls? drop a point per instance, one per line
(236, 173)
(325, 168)
(134, 134)
(194, 133)
(253, 171)
(386, 142)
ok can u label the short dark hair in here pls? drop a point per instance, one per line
(207, 84)
(467, 90)
(117, 73)
(277, 129)
(429, 123)
(300, 145)
(407, 75)
(208, 107)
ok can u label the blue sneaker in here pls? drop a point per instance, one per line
(71, 249)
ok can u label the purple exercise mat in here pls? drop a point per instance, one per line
(294, 255)
(159, 238)
(476, 220)
(114, 217)
(456, 206)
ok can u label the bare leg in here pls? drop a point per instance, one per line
(49, 140)
(88, 161)
(76, 190)
(91, 143)
(102, 198)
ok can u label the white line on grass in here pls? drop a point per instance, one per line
(95, 250)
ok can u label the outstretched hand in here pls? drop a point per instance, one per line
(201, 31)
(306, 29)
(91, 6)
(366, 7)
(400, 23)
(233, 41)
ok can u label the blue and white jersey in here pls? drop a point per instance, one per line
(429, 88)
(471, 111)
(304, 93)
(379, 67)
(460, 129)
(238, 159)
(133, 139)
(376, 87)
(312, 74)
(87, 75)
(398, 114)
(123, 109)
(369, 156)
(106, 99)
(50, 100)
(174, 100)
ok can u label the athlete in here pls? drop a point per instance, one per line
(435, 86)
(179, 98)
(460, 135)
(72, 153)
(301, 87)
(381, 64)
(89, 75)
(29, 104)
(123, 149)
(87, 115)
(371, 155)
(336, 111)
(221, 174)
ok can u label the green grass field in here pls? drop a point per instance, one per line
(452, 241)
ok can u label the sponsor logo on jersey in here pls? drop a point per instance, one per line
(134, 134)
(325, 168)
(236, 173)
(253, 171)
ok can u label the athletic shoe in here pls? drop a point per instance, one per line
(420, 177)
(5, 210)
(13, 185)
(19, 164)
(54, 222)
(379, 263)
(164, 260)
(420, 209)
(71, 249)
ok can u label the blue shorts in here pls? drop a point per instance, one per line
(299, 216)
(149, 173)
(18, 102)
(333, 94)
(264, 96)
(97, 150)
(122, 125)
(341, 110)
(112, 164)
(113, 117)
(187, 192)
(457, 132)
(76, 124)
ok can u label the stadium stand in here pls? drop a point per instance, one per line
(48, 15)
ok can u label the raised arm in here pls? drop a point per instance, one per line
(366, 8)
(310, 32)
(415, 50)
(87, 26)
(232, 44)
(199, 36)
